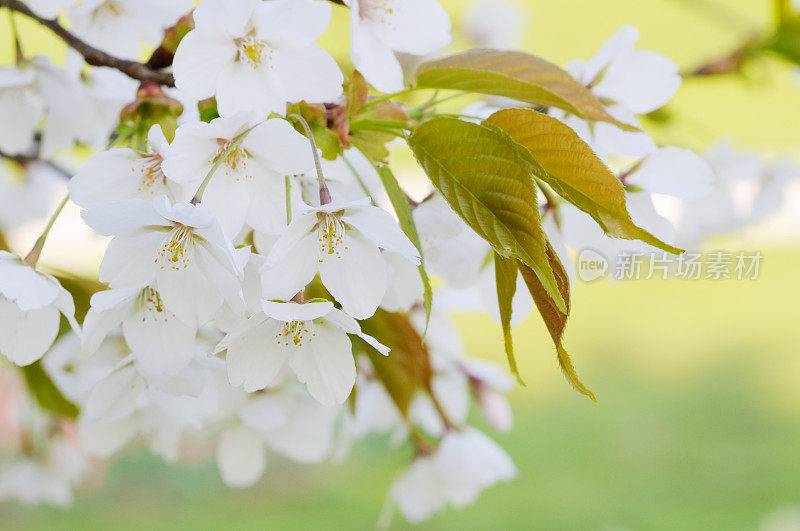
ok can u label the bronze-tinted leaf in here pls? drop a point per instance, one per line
(554, 318)
(565, 162)
(516, 75)
(484, 177)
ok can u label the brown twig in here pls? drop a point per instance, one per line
(92, 55)
(24, 160)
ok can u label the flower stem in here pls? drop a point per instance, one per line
(387, 97)
(433, 103)
(357, 177)
(288, 200)
(15, 32)
(448, 424)
(33, 256)
(324, 193)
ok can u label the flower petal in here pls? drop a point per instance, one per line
(243, 88)
(129, 261)
(254, 357)
(357, 276)
(310, 74)
(159, 340)
(416, 27)
(26, 335)
(200, 60)
(280, 147)
(326, 364)
(292, 311)
(380, 227)
(351, 326)
(241, 457)
(291, 24)
(122, 217)
(374, 59)
(674, 171)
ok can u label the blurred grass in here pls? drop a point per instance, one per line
(697, 427)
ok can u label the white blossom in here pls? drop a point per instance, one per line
(21, 107)
(342, 242)
(121, 27)
(178, 249)
(25, 192)
(48, 9)
(249, 185)
(30, 305)
(122, 173)
(495, 24)
(311, 338)
(286, 420)
(379, 28)
(257, 56)
(465, 463)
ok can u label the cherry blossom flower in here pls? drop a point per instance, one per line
(107, 91)
(48, 9)
(286, 420)
(452, 250)
(25, 192)
(159, 341)
(633, 82)
(495, 24)
(34, 90)
(257, 56)
(122, 173)
(30, 305)
(673, 171)
(465, 463)
(178, 249)
(311, 338)
(129, 401)
(490, 384)
(47, 478)
(21, 107)
(249, 185)
(379, 28)
(342, 242)
(121, 27)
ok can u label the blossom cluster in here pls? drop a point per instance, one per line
(248, 281)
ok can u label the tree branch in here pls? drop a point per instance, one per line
(24, 160)
(92, 55)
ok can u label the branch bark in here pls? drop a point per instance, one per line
(92, 55)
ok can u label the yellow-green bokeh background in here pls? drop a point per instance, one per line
(698, 420)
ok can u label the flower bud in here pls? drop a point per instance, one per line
(151, 106)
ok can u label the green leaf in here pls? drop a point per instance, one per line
(566, 163)
(515, 75)
(407, 368)
(554, 318)
(505, 272)
(786, 39)
(403, 211)
(46, 393)
(357, 93)
(484, 177)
